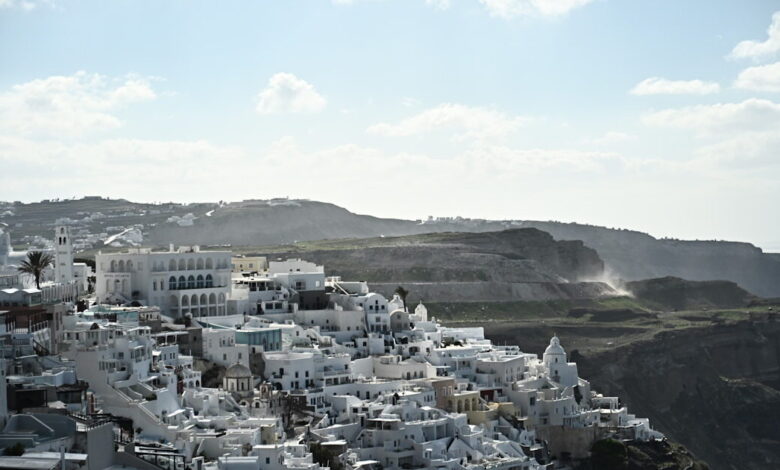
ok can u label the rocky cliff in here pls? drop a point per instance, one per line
(511, 264)
(716, 389)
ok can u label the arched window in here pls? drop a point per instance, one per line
(209, 263)
(129, 265)
(113, 265)
(121, 266)
(190, 264)
(172, 283)
(182, 282)
(172, 265)
(209, 281)
(200, 263)
(200, 281)
(182, 265)
(191, 282)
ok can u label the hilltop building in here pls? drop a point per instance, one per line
(183, 281)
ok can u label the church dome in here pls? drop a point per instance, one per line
(237, 371)
(555, 347)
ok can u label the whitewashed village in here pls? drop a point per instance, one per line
(190, 358)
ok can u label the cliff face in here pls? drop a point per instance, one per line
(716, 390)
(512, 264)
(635, 255)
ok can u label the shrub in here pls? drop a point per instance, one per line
(609, 454)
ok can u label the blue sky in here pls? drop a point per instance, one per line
(655, 115)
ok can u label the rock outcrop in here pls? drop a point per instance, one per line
(716, 390)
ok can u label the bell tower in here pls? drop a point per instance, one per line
(63, 256)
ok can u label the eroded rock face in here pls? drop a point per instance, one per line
(516, 264)
(714, 389)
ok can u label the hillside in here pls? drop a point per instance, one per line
(708, 380)
(680, 294)
(512, 264)
(635, 255)
(628, 255)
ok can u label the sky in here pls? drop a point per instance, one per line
(655, 115)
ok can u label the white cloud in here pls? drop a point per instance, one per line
(410, 102)
(506, 8)
(287, 93)
(465, 121)
(662, 86)
(102, 167)
(760, 78)
(747, 151)
(611, 137)
(69, 105)
(26, 5)
(759, 49)
(440, 4)
(515, 8)
(749, 115)
(60, 167)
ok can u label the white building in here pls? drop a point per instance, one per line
(63, 255)
(183, 281)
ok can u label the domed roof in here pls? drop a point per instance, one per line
(238, 371)
(555, 347)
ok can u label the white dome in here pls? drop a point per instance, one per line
(237, 371)
(555, 347)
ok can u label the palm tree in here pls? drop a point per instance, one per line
(34, 265)
(402, 293)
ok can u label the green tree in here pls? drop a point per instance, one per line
(402, 293)
(34, 265)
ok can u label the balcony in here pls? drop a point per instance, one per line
(214, 288)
